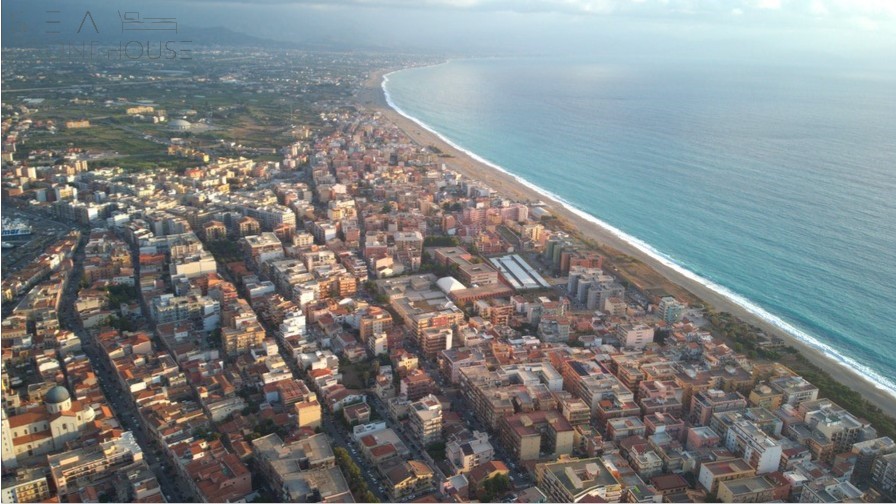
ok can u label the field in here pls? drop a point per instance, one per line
(98, 137)
(258, 109)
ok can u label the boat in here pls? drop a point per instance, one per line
(7, 245)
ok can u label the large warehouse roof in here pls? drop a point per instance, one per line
(449, 284)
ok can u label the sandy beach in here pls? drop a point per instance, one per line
(371, 96)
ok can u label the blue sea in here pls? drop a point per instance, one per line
(773, 184)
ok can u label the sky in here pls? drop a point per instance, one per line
(841, 31)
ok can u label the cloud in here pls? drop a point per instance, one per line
(522, 6)
(818, 8)
(768, 4)
(865, 23)
(854, 13)
(868, 8)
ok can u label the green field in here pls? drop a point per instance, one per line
(97, 137)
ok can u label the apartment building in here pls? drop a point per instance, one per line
(883, 474)
(433, 340)
(527, 435)
(760, 450)
(35, 490)
(705, 403)
(70, 469)
(240, 340)
(794, 389)
(469, 451)
(426, 419)
(575, 480)
(219, 479)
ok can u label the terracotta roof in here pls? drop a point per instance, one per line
(379, 451)
(28, 418)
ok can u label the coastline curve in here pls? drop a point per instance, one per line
(872, 377)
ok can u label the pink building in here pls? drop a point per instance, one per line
(664, 422)
(660, 396)
(707, 402)
(699, 437)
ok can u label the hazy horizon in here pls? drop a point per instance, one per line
(858, 33)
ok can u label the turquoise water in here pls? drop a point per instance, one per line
(774, 185)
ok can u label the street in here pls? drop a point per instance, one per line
(118, 398)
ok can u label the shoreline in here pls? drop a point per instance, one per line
(372, 96)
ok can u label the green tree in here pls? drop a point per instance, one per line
(121, 294)
(497, 484)
(495, 487)
(436, 450)
(440, 241)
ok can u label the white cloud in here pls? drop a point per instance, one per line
(865, 23)
(871, 8)
(818, 8)
(863, 14)
(768, 4)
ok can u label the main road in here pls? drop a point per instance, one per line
(111, 386)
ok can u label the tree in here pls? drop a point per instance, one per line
(121, 294)
(440, 241)
(495, 486)
(436, 450)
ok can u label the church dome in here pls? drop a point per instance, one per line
(57, 395)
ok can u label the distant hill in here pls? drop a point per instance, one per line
(220, 35)
(217, 35)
